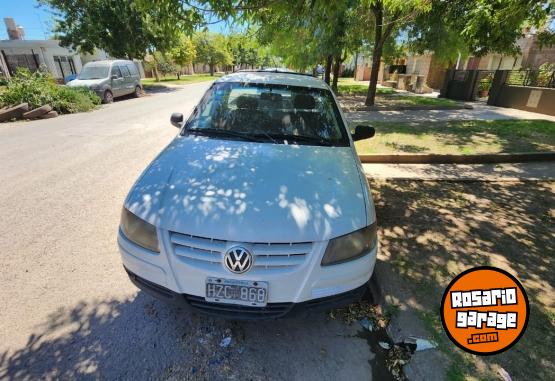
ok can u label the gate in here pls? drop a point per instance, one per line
(466, 85)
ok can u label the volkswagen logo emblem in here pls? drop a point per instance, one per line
(238, 260)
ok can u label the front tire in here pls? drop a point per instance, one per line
(138, 92)
(108, 97)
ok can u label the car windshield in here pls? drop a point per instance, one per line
(94, 72)
(269, 113)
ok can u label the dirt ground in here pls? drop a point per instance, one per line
(432, 231)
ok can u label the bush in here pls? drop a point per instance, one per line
(39, 88)
(348, 73)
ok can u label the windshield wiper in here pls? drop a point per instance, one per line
(219, 132)
(302, 139)
(266, 135)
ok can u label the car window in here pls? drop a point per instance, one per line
(125, 71)
(116, 71)
(132, 69)
(274, 110)
(93, 72)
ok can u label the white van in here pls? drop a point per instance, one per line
(110, 79)
(258, 208)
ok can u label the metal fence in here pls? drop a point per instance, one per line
(531, 78)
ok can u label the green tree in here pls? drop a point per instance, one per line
(307, 32)
(183, 53)
(212, 50)
(117, 27)
(476, 27)
(388, 16)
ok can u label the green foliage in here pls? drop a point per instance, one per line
(354, 89)
(247, 52)
(183, 52)
(212, 50)
(68, 100)
(166, 67)
(115, 26)
(348, 73)
(39, 89)
(303, 33)
(477, 27)
(123, 28)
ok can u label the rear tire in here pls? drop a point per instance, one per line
(108, 97)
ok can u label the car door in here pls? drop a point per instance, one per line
(136, 78)
(118, 82)
(127, 79)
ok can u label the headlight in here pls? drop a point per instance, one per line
(350, 246)
(138, 231)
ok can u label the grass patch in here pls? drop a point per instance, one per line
(418, 100)
(444, 228)
(358, 89)
(185, 79)
(461, 137)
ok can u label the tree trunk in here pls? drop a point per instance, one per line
(327, 72)
(155, 69)
(356, 63)
(336, 66)
(376, 59)
(211, 69)
(377, 10)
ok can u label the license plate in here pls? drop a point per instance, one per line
(244, 292)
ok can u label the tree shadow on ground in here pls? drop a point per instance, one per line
(465, 136)
(141, 338)
(432, 231)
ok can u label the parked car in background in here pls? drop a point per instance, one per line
(110, 79)
(259, 207)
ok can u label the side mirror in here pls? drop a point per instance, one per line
(363, 132)
(177, 119)
(114, 76)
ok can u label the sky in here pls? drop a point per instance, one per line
(38, 21)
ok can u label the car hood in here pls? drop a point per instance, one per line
(85, 82)
(251, 192)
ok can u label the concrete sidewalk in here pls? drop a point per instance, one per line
(480, 111)
(533, 171)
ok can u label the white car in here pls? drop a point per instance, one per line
(258, 208)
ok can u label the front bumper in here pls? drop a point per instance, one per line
(309, 284)
(238, 312)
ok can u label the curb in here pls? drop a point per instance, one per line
(457, 159)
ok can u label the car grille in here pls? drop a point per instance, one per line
(207, 253)
(270, 311)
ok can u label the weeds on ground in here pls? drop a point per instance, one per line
(39, 89)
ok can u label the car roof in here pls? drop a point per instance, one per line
(107, 62)
(275, 78)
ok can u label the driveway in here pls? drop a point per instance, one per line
(67, 309)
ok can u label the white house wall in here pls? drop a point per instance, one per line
(45, 50)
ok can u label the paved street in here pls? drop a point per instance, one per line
(67, 309)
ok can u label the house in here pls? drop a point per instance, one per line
(18, 52)
(60, 62)
(425, 72)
